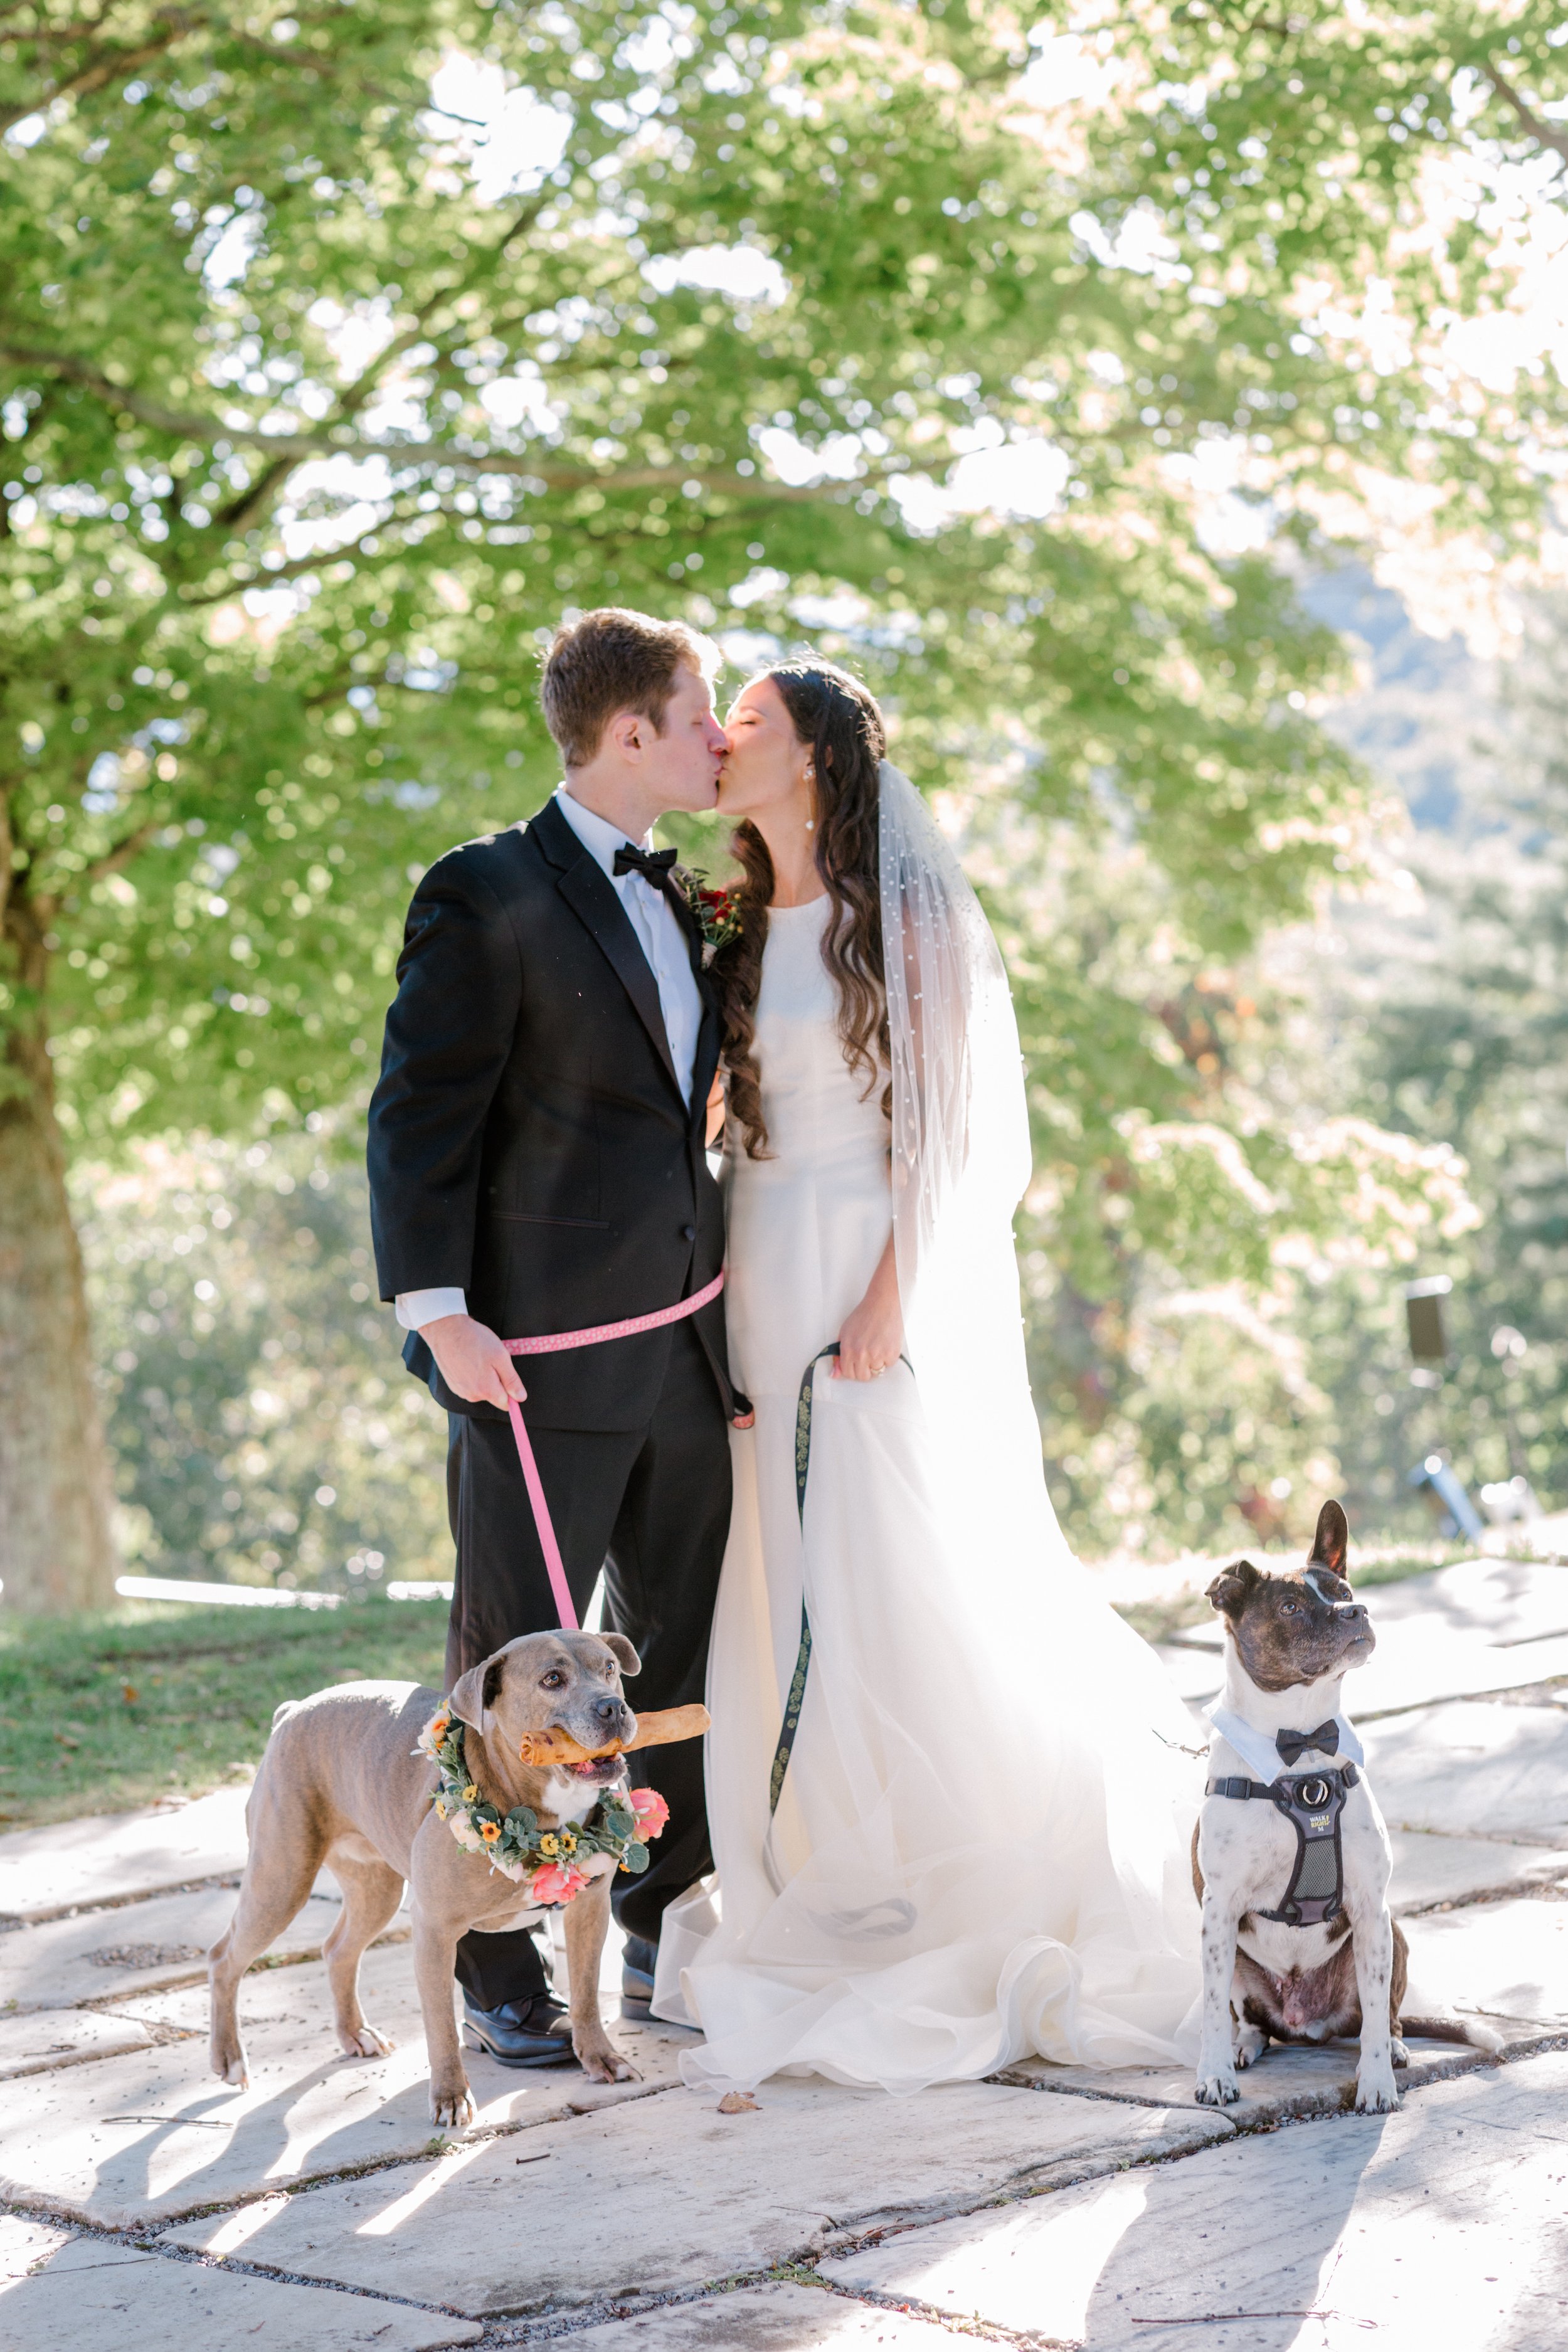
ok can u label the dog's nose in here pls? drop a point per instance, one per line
(608, 1710)
(1351, 1613)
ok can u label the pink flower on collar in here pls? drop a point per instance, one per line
(557, 1882)
(651, 1810)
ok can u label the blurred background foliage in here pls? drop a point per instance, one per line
(264, 1430)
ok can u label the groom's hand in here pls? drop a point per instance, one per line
(472, 1361)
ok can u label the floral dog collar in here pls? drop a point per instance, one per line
(556, 1865)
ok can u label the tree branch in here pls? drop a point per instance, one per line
(1546, 134)
(121, 855)
(251, 501)
(46, 905)
(106, 65)
(355, 395)
(265, 578)
(295, 448)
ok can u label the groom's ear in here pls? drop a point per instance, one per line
(628, 732)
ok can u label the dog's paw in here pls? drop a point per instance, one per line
(602, 2062)
(1251, 2042)
(1398, 2052)
(1377, 2094)
(230, 2067)
(1216, 2090)
(454, 2108)
(363, 2041)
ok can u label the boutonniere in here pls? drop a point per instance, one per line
(716, 913)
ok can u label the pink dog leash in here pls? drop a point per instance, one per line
(558, 1343)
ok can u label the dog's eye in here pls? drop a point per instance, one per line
(553, 1680)
(1289, 1608)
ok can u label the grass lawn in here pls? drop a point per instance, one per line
(98, 1714)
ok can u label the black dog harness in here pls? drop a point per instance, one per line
(1311, 1803)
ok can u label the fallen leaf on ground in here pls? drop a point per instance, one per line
(737, 2103)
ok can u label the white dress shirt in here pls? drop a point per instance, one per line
(658, 933)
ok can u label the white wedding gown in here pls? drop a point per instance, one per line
(978, 1852)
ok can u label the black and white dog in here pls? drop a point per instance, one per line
(1291, 1857)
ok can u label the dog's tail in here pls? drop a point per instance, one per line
(1467, 2030)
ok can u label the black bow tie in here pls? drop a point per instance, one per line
(653, 865)
(1293, 1745)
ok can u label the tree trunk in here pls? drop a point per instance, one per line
(56, 1548)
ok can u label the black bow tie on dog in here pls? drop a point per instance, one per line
(653, 865)
(1293, 1745)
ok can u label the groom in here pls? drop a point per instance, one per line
(537, 1165)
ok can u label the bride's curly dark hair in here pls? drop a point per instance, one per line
(838, 718)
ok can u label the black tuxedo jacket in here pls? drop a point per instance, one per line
(529, 1141)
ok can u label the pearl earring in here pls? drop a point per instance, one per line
(810, 778)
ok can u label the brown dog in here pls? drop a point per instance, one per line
(1291, 1857)
(340, 1783)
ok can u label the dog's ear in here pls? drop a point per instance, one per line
(622, 1650)
(474, 1695)
(1331, 1540)
(1232, 1587)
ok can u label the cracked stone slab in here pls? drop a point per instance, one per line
(121, 1857)
(782, 2318)
(387, 1994)
(97, 2296)
(1430, 1869)
(1503, 1964)
(139, 1947)
(23, 2243)
(1474, 1770)
(1507, 1959)
(1418, 1664)
(154, 2135)
(1440, 2225)
(1290, 2080)
(667, 2193)
(1492, 1600)
(48, 2038)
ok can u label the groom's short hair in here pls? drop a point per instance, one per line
(615, 660)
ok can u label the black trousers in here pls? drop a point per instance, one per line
(651, 1507)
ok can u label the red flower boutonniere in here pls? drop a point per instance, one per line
(716, 913)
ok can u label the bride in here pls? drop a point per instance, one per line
(948, 1827)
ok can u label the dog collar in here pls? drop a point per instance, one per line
(557, 1863)
(1258, 1750)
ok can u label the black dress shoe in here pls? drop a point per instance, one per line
(638, 1961)
(536, 2033)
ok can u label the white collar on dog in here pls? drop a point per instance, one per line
(1257, 1751)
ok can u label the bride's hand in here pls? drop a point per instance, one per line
(872, 1337)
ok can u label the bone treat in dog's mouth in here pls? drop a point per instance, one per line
(543, 1748)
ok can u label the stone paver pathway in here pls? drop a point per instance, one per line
(144, 2204)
